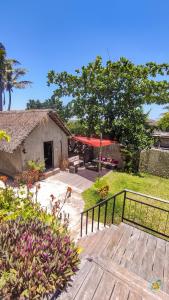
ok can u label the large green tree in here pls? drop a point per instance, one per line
(109, 98)
(105, 95)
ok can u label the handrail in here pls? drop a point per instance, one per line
(112, 210)
(102, 202)
(147, 204)
(147, 196)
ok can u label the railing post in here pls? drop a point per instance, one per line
(124, 202)
(92, 218)
(105, 214)
(86, 221)
(81, 227)
(98, 221)
(114, 200)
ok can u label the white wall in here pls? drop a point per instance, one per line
(46, 131)
(11, 164)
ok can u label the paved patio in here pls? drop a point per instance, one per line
(57, 185)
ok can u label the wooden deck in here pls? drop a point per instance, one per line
(121, 263)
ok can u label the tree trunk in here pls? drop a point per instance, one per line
(10, 100)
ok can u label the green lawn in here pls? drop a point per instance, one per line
(146, 184)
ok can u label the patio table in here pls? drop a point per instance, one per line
(104, 163)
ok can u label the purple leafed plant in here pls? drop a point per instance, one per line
(34, 261)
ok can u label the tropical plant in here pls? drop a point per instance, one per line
(2, 73)
(36, 165)
(13, 76)
(34, 260)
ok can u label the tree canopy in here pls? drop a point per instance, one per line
(109, 97)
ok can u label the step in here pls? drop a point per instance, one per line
(51, 173)
(100, 278)
(95, 243)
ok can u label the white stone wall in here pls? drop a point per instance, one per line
(155, 161)
(46, 131)
(11, 164)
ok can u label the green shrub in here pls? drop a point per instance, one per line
(101, 188)
(35, 165)
(35, 261)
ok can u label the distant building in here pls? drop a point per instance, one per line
(38, 135)
(161, 139)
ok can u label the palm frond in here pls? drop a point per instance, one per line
(21, 84)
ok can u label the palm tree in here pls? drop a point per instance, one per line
(2, 73)
(12, 79)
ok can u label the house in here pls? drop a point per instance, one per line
(38, 135)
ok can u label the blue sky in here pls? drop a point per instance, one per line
(64, 35)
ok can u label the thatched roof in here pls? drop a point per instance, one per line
(19, 124)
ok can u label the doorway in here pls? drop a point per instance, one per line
(48, 154)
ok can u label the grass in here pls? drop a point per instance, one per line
(142, 214)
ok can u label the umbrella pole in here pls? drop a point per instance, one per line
(100, 154)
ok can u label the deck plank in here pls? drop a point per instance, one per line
(89, 285)
(130, 247)
(148, 259)
(121, 248)
(77, 281)
(166, 270)
(159, 260)
(113, 242)
(120, 292)
(105, 288)
(134, 296)
(138, 255)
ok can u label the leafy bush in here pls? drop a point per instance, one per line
(36, 254)
(101, 188)
(103, 192)
(32, 174)
(35, 165)
(27, 177)
(34, 260)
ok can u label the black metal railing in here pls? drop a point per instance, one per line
(96, 218)
(152, 214)
(136, 209)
